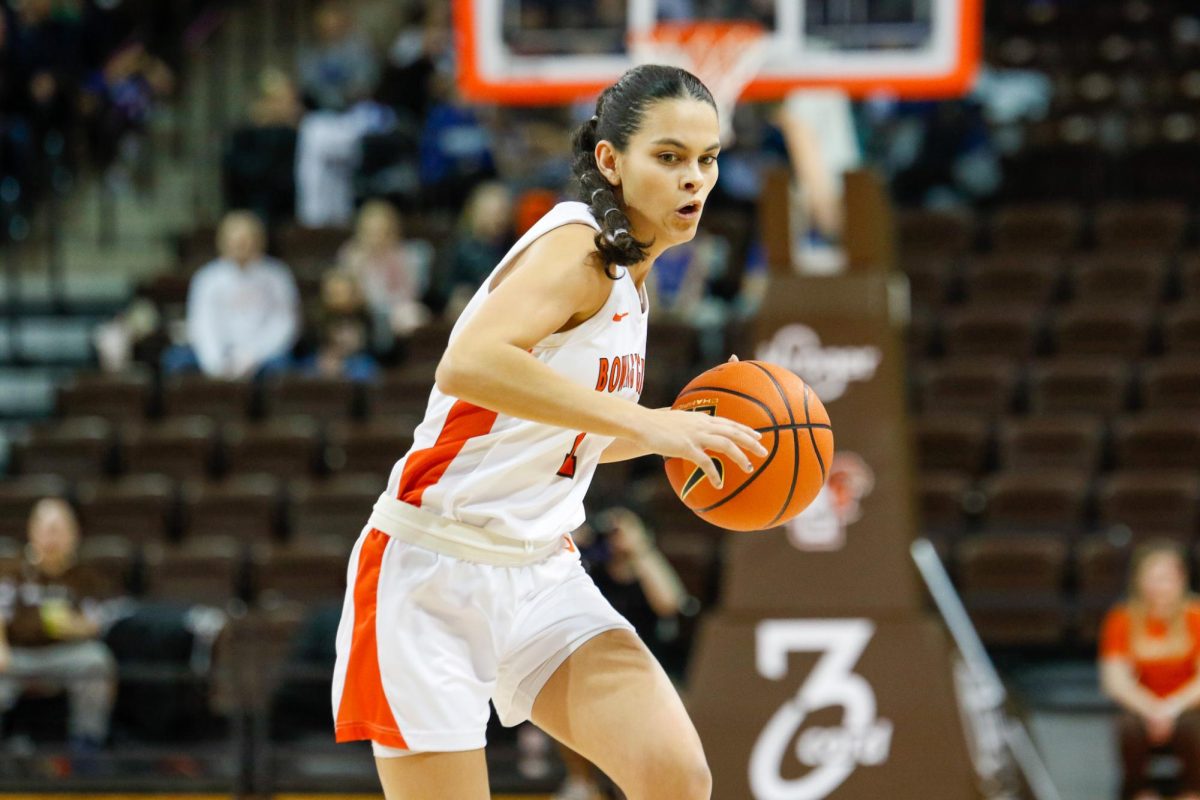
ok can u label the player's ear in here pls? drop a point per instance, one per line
(607, 162)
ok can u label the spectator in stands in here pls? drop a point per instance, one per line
(1149, 654)
(455, 147)
(259, 163)
(639, 582)
(52, 620)
(484, 236)
(243, 309)
(340, 69)
(344, 330)
(390, 272)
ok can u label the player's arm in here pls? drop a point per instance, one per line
(623, 450)
(554, 283)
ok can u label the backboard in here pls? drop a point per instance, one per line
(536, 52)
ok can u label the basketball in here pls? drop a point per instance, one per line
(795, 431)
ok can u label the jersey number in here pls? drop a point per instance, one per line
(567, 470)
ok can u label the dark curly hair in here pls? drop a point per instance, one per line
(620, 110)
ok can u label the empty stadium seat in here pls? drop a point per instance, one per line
(315, 396)
(1172, 384)
(948, 441)
(930, 279)
(1043, 228)
(1181, 330)
(1151, 502)
(1040, 442)
(286, 447)
(1112, 329)
(185, 395)
(1157, 440)
(242, 506)
(969, 385)
(135, 507)
(308, 572)
(1079, 385)
(117, 396)
(113, 558)
(943, 232)
(371, 447)
(311, 249)
(1042, 499)
(75, 448)
(336, 507)
(942, 500)
(426, 344)
(401, 393)
(203, 570)
(1012, 331)
(1131, 277)
(179, 447)
(1157, 227)
(1012, 586)
(1101, 577)
(1030, 278)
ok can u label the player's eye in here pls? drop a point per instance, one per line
(708, 160)
(668, 158)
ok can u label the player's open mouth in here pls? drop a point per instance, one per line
(689, 211)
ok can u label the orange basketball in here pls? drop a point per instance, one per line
(795, 431)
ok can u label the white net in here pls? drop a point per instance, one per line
(725, 56)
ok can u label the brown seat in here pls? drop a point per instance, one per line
(179, 447)
(203, 570)
(1147, 226)
(1012, 587)
(79, 447)
(117, 396)
(1172, 384)
(1101, 577)
(930, 279)
(1040, 442)
(313, 396)
(1011, 331)
(259, 645)
(969, 385)
(311, 249)
(1042, 228)
(185, 395)
(400, 393)
(1158, 440)
(934, 232)
(673, 345)
(113, 558)
(286, 447)
(1189, 275)
(1151, 503)
(426, 344)
(308, 572)
(138, 508)
(1111, 329)
(1181, 330)
(242, 506)
(1119, 277)
(1029, 278)
(1043, 499)
(371, 447)
(337, 507)
(943, 499)
(952, 442)
(18, 496)
(1079, 386)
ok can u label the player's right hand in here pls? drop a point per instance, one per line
(688, 434)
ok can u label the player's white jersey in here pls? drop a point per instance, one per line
(509, 475)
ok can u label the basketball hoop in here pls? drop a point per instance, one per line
(726, 56)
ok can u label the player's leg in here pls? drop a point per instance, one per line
(611, 702)
(435, 776)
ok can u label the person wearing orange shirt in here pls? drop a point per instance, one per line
(1149, 656)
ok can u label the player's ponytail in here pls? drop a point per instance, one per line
(619, 113)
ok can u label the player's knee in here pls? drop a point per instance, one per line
(679, 773)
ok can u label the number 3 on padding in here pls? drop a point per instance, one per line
(567, 470)
(832, 683)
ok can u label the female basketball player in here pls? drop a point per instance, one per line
(464, 586)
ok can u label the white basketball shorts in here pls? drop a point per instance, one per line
(426, 639)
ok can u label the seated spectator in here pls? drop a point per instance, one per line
(344, 330)
(390, 272)
(50, 636)
(484, 236)
(639, 582)
(259, 162)
(340, 69)
(455, 147)
(1149, 652)
(243, 309)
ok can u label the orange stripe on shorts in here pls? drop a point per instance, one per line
(364, 712)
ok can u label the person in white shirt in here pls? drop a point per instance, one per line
(243, 309)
